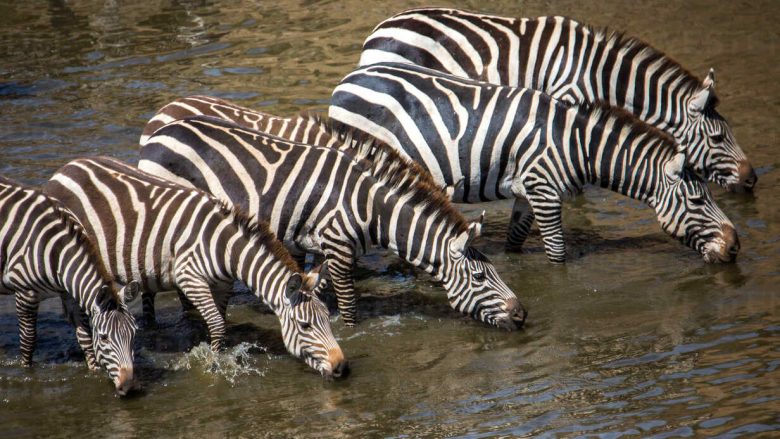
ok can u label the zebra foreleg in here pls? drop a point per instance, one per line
(84, 337)
(201, 297)
(341, 267)
(547, 210)
(147, 305)
(27, 312)
(519, 224)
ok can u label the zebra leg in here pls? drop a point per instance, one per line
(341, 267)
(200, 295)
(80, 322)
(147, 304)
(84, 337)
(187, 308)
(27, 312)
(547, 210)
(519, 224)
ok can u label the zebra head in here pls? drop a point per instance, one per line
(475, 288)
(306, 326)
(113, 332)
(686, 210)
(712, 149)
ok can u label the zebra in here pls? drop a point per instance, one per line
(575, 63)
(488, 142)
(167, 237)
(44, 253)
(302, 129)
(338, 203)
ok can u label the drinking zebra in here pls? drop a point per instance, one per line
(168, 237)
(574, 63)
(44, 253)
(488, 142)
(337, 203)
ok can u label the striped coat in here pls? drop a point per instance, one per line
(170, 237)
(574, 63)
(488, 142)
(338, 204)
(44, 253)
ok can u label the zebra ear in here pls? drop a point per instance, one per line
(464, 240)
(700, 99)
(674, 167)
(130, 291)
(294, 285)
(709, 81)
(321, 272)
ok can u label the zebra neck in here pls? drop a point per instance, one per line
(264, 274)
(414, 232)
(622, 160)
(77, 274)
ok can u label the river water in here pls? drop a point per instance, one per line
(635, 335)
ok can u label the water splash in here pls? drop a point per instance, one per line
(229, 364)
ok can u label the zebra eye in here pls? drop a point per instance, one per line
(697, 200)
(717, 138)
(305, 326)
(104, 337)
(479, 276)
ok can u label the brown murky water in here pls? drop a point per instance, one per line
(634, 336)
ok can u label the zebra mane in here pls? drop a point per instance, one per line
(624, 44)
(390, 168)
(602, 112)
(257, 230)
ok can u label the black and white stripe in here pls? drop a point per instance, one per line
(487, 142)
(574, 63)
(44, 253)
(303, 129)
(337, 203)
(168, 237)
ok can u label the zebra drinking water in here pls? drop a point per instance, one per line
(488, 142)
(574, 63)
(44, 253)
(337, 203)
(168, 237)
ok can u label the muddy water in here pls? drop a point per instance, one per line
(635, 335)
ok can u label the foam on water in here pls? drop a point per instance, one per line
(229, 364)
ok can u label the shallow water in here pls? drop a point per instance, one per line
(633, 336)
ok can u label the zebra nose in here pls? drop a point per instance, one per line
(730, 243)
(339, 364)
(516, 314)
(124, 382)
(747, 175)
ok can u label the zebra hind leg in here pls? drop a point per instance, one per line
(27, 312)
(519, 224)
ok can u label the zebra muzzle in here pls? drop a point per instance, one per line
(515, 315)
(123, 383)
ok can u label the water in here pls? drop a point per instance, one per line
(634, 336)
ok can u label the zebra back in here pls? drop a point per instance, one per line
(572, 62)
(298, 129)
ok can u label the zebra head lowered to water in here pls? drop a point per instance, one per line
(170, 237)
(488, 142)
(574, 63)
(332, 202)
(44, 253)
